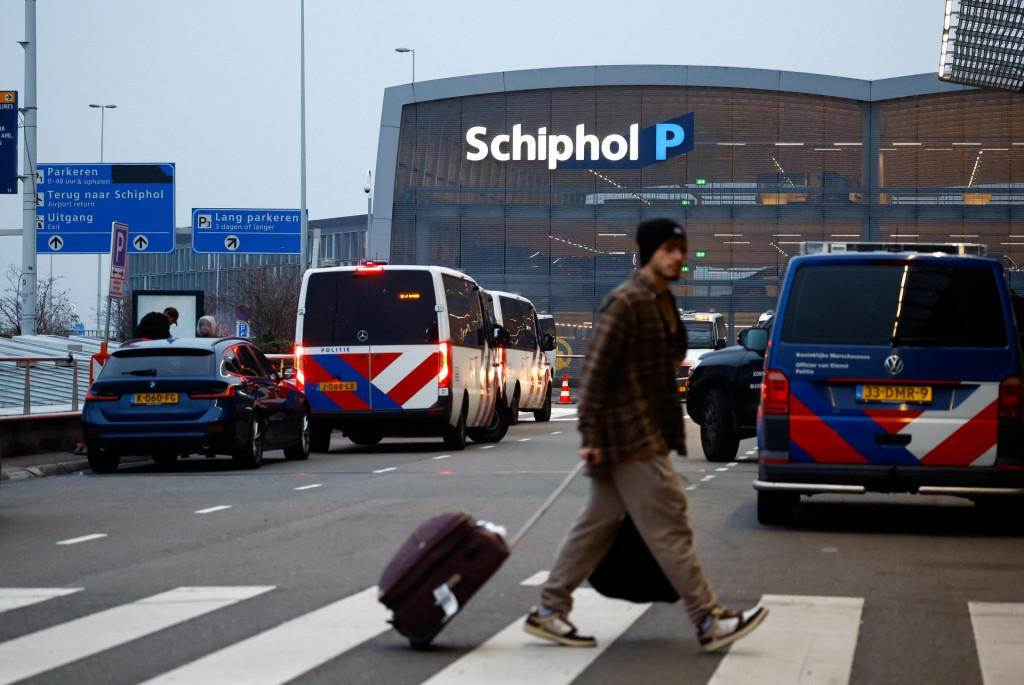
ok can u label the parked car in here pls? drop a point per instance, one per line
(723, 393)
(891, 368)
(181, 396)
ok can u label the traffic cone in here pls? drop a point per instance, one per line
(565, 399)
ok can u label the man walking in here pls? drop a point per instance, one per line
(157, 325)
(630, 419)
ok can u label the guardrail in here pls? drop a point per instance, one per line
(29, 363)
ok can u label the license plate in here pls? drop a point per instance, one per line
(155, 398)
(894, 393)
(338, 386)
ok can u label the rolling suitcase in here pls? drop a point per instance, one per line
(442, 565)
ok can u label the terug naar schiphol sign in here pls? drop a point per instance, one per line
(633, 149)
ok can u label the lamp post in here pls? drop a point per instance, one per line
(99, 256)
(368, 189)
(413, 51)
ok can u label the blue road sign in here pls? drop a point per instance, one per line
(241, 329)
(8, 142)
(247, 231)
(76, 205)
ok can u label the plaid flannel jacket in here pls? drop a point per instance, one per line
(629, 403)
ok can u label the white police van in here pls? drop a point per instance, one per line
(705, 331)
(389, 350)
(526, 367)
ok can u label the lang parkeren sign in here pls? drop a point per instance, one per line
(633, 148)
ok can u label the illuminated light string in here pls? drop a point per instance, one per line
(579, 245)
(974, 173)
(618, 185)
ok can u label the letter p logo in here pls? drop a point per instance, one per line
(203, 221)
(666, 136)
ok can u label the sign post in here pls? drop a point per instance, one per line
(247, 231)
(8, 142)
(118, 268)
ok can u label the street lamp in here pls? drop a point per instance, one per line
(99, 256)
(367, 188)
(413, 51)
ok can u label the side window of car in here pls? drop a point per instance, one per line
(230, 365)
(247, 361)
(265, 367)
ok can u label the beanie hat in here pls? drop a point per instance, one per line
(652, 233)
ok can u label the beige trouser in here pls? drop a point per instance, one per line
(650, 491)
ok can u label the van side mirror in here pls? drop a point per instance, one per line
(547, 342)
(755, 339)
(720, 344)
(500, 336)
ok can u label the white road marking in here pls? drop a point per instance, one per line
(538, 578)
(805, 640)
(17, 597)
(556, 432)
(221, 507)
(281, 654)
(443, 456)
(310, 487)
(524, 439)
(998, 627)
(487, 447)
(47, 649)
(706, 478)
(391, 468)
(513, 656)
(690, 487)
(722, 469)
(732, 463)
(84, 538)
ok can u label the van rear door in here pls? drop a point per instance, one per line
(370, 340)
(895, 361)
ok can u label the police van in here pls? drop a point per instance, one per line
(388, 350)
(526, 367)
(890, 368)
(705, 331)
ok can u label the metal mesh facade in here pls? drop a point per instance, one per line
(983, 44)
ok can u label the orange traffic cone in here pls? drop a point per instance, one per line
(565, 399)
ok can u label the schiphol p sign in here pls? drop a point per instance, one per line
(633, 148)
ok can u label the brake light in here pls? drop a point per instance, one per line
(1011, 398)
(368, 266)
(226, 391)
(443, 371)
(300, 376)
(775, 393)
(92, 395)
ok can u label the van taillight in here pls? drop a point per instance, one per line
(94, 396)
(1011, 398)
(775, 393)
(443, 371)
(300, 376)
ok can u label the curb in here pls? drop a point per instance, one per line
(59, 468)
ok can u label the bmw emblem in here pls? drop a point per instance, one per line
(893, 364)
(362, 336)
(152, 384)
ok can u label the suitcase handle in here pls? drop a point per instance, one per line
(547, 505)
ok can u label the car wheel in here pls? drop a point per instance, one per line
(513, 409)
(717, 436)
(493, 431)
(364, 437)
(455, 436)
(776, 508)
(319, 438)
(300, 450)
(544, 413)
(101, 461)
(165, 458)
(249, 455)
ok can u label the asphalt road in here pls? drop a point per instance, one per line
(199, 573)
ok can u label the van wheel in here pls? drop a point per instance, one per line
(319, 438)
(493, 431)
(776, 508)
(364, 438)
(513, 409)
(101, 461)
(455, 436)
(544, 413)
(717, 436)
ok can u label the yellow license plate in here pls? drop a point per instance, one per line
(895, 393)
(155, 398)
(338, 386)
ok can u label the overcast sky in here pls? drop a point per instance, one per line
(213, 85)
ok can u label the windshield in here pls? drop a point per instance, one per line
(699, 334)
(895, 303)
(159, 363)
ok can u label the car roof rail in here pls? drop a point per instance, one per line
(826, 246)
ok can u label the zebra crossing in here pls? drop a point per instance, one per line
(806, 640)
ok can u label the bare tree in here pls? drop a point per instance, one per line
(271, 294)
(55, 313)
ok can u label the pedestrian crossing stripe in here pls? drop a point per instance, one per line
(17, 597)
(998, 627)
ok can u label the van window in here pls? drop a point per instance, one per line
(700, 334)
(547, 325)
(895, 303)
(517, 318)
(465, 315)
(390, 307)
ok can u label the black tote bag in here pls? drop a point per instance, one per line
(629, 571)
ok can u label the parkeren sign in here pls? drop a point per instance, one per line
(633, 149)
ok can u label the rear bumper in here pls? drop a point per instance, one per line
(812, 479)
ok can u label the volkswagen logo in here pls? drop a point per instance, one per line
(893, 364)
(362, 336)
(152, 384)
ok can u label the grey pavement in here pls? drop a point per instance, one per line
(48, 464)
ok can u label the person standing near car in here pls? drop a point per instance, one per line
(207, 327)
(157, 325)
(630, 420)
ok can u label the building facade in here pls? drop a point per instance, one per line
(777, 158)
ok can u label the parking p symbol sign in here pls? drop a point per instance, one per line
(203, 221)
